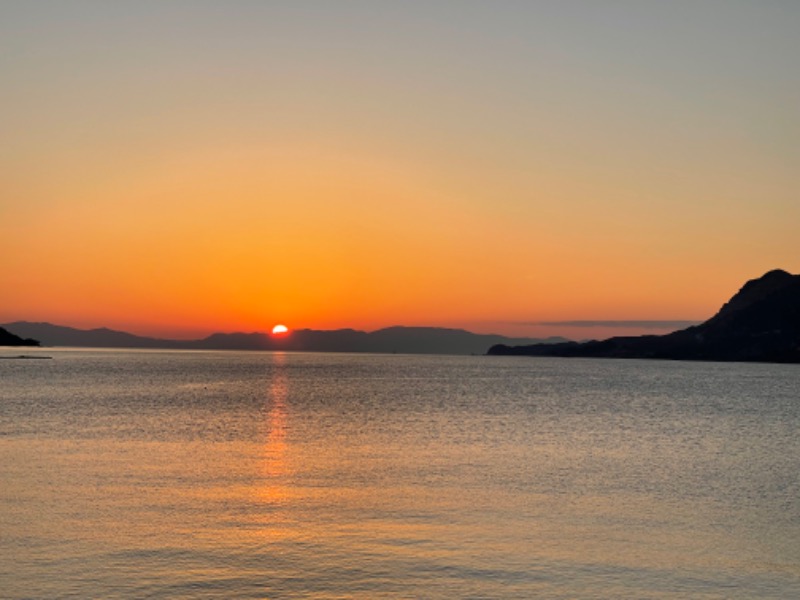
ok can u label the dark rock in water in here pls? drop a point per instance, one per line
(9, 339)
(759, 323)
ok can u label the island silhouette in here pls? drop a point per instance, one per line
(760, 323)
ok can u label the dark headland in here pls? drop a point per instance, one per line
(9, 339)
(761, 323)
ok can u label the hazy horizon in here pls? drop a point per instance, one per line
(583, 329)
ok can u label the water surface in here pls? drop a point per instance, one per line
(147, 474)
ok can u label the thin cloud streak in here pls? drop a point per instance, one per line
(620, 324)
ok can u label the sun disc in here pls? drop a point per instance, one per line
(280, 330)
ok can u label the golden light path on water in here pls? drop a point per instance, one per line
(275, 448)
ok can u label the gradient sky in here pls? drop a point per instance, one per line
(177, 168)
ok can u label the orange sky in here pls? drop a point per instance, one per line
(194, 168)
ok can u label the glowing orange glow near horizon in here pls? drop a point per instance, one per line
(280, 330)
(215, 173)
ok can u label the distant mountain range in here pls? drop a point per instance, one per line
(760, 323)
(405, 340)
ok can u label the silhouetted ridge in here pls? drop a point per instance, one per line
(57, 335)
(761, 322)
(413, 340)
(234, 341)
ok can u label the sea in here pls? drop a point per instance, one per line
(179, 474)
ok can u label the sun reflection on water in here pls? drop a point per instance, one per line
(272, 492)
(275, 448)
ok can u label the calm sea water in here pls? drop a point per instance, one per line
(259, 475)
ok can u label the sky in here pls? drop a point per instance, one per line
(582, 168)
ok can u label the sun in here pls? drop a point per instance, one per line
(280, 330)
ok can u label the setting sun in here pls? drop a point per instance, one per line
(280, 330)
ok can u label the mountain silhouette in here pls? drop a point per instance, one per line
(9, 339)
(406, 340)
(761, 323)
(57, 335)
